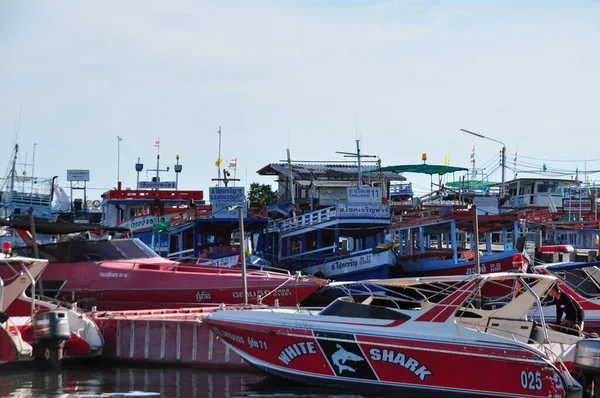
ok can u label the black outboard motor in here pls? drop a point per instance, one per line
(50, 331)
(587, 365)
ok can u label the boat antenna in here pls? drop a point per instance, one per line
(359, 156)
(219, 159)
(291, 182)
(33, 165)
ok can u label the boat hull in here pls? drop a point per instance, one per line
(497, 262)
(158, 284)
(365, 362)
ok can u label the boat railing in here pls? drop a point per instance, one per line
(182, 253)
(308, 219)
(542, 346)
(306, 253)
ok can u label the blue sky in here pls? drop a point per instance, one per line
(407, 75)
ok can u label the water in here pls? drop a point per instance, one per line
(107, 381)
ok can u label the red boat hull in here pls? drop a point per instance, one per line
(468, 268)
(160, 283)
(370, 362)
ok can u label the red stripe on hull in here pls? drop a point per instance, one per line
(387, 363)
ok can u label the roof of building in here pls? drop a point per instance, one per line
(338, 172)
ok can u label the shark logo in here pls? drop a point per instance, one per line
(340, 357)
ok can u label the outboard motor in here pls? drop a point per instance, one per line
(50, 331)
(587, 365)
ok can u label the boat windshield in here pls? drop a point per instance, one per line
(582, 280)
(351, 309)
(101, 250)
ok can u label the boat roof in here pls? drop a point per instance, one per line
(59, 227)
(463, 218)
(418, 168)
(327, 172)
(570, 265)
(406, 282)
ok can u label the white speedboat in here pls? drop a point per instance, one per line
(427, 335)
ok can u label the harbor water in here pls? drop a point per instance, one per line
(111, 381)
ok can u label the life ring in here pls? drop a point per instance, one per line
(96, 203)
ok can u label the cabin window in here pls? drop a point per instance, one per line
(296, 244)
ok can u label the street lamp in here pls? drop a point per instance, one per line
(503, 154)
(240, 210)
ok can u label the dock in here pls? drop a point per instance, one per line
(165, 337)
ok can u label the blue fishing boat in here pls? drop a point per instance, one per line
(342, 242)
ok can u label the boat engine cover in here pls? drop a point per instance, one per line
(51, 325)
(587, 354)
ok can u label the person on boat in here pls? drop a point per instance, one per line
(570, 307)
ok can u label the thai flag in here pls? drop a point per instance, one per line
(233, 164)
(157, 143)
(515, 160)
(472, 155)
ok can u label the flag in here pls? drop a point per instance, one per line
(218, 162)
(447, 160)
(157, 143)
(515, 160)
(233, 164)
(472, 155)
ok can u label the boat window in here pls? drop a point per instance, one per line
(102, 250)
(357, 310)
(579, 280)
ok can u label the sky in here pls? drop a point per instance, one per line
(313, 76)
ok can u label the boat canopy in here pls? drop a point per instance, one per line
(418, 168)
(406, 282)
(59, 227)
(568, 266)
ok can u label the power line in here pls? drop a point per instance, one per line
(557, 160)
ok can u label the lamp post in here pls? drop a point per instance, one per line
(503, 154)
(240, 210)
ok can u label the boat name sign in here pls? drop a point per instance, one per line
(494, 267)
(295, 350)
(221, 198)
(364, 195)
(353, 262)
(371, 210)
(399, 358)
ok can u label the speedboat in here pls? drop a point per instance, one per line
(581, 280)
(35, 329)
(428, 335)
(125, 274)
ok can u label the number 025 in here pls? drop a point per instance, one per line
(531, 380)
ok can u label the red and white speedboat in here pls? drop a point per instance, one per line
(31, 328)
(121, 274)
(444, 342)
(579, 279)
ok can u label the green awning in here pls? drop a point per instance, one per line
(419, 168)
(471, 184)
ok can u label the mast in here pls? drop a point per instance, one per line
(13, 172)
(359, 166)
(33, 166)
(219, 159)
(291, 179)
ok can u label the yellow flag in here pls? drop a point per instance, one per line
(218, 162)
(447, 160)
